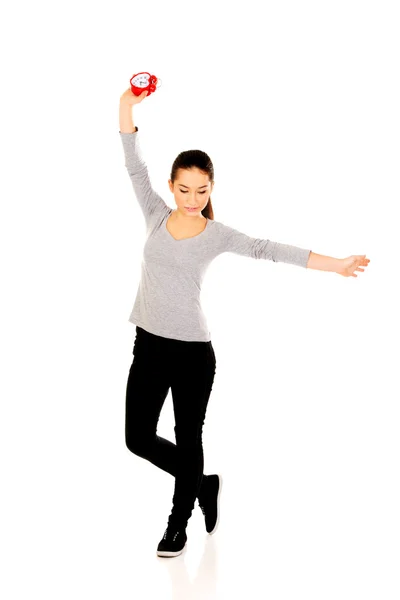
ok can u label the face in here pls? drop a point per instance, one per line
(192, 189)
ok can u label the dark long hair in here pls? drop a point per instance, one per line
(201, 160)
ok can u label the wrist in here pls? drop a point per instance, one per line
(325, 263)
(338, 266)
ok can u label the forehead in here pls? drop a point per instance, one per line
(192, 177)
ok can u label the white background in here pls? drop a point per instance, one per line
(297, 104)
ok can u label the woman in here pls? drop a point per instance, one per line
(172, 347)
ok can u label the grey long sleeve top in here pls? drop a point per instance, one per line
(168, 297)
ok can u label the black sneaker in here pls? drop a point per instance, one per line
(209, 501)
(173, 542)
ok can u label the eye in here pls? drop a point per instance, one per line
(185, 192)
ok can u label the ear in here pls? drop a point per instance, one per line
(171, 185)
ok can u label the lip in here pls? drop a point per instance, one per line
(191, 208)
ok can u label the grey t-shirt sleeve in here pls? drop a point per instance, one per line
(150, 202)
(232, 240)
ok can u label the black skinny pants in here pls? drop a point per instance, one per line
(188, 368)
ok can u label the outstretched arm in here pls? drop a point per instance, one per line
(149, 201)
(342, 266)
(233, 240)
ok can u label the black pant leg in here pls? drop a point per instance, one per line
(191, 388)
(146, 390)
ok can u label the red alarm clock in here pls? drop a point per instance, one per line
(144, 81)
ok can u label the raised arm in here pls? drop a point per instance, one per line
(150, 202)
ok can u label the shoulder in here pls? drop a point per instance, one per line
(158, 217)
(219, 228)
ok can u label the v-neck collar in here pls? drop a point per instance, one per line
(184, 239)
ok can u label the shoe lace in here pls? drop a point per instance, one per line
(166, 533)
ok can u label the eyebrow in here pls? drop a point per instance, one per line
(186, 186)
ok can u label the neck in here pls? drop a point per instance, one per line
(185, 218)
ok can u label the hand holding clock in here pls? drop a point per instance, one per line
(133, 94)
(128, 97)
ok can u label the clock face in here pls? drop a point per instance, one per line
(141, 80)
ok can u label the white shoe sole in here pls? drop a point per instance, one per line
(166, 553)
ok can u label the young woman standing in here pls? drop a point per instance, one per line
(172, 347)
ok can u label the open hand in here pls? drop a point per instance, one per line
(352, 263)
